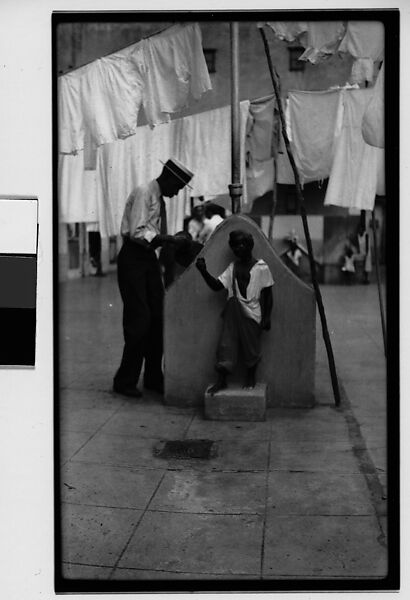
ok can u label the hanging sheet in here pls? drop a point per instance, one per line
(373, 119)
(354, 174)
(314, 117)
(202, 142)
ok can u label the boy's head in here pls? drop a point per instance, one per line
(241, 243)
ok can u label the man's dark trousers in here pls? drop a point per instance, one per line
(142, 293)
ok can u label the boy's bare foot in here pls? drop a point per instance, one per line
(220, 384)
(217, 387)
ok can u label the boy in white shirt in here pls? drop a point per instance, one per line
(247, 312)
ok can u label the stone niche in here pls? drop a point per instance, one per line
(193, 323)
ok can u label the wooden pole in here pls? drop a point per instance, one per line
(276, 142)
(235, 189)
(325, 332)
(379, 287)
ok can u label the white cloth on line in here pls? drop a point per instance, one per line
(314, 116)
(321, 39)
(354, 174)
(373, 119)
(77, 190)
(175, 71)
(70, 115)
(202, 142)
(287, 30)
(364, 40)
(99, 102)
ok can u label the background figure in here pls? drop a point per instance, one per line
(143, 228)
(213, 216)
(249, 282)
(348, 268)
(94, 248)
(294, 254)
(194, 223)
(365, 254)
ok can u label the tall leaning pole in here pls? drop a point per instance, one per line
(302, 209)
(235, 188)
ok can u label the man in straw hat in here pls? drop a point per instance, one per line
(143, 229)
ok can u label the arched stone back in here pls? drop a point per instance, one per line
(193, 323)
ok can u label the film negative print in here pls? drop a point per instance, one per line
(18, 277)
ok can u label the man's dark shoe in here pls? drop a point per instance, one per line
(128, 391)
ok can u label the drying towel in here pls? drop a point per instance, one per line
(364, 40)
(174, 71)
(354, 174)
(111, 95)
(321, 39)
(314, 116)
(373, 120)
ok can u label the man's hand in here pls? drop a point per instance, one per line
(201, 264)
(160, 240)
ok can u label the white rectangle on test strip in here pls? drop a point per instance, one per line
(18, 225)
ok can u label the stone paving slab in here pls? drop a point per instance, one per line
(324, 493)
(84, 419)
(325, 546)
(71, 571)
(232, 430)
(119, 450)
(70, 398)
(71, 442)
(220, 544)
(313, 457)
(143, 423)
(211, 493)
(141, 574)
(94, 535)
(101, 485)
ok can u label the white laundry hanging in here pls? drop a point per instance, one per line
(100, 102)
(355, 171)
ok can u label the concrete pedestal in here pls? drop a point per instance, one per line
(236, 404)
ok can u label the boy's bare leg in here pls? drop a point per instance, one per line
(250, 380)
(220, 383)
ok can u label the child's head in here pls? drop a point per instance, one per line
(241, 243)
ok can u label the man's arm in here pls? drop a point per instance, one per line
(266, 301)
(213, 283)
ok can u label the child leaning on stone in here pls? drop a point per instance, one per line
(247, 311)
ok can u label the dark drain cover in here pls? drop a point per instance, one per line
(181, 449)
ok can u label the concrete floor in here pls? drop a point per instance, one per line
(300, 496)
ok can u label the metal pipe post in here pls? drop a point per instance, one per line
(235, 189)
